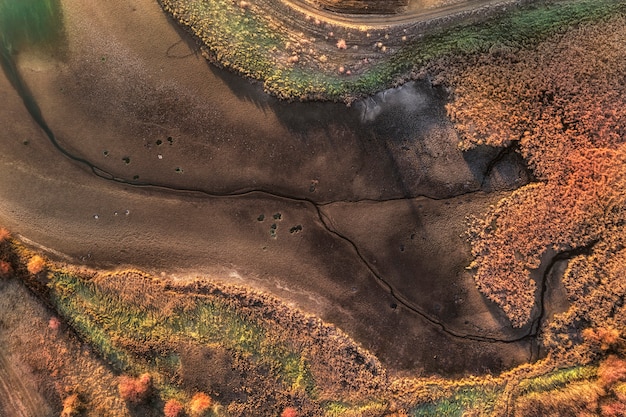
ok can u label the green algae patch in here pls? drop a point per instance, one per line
(302, 57)
(30, 22)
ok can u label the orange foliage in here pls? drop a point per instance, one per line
(54, 323)
(135, 389)
(613, 409)
(5, 268)
(289, 412)
(564, 103)
(72, 406)
(36, 264)
(200, 403)
(611, 370)
(173, 408)
(4, 234)
(604, 337)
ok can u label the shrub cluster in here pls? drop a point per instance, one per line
(135, 390)
(564, 104)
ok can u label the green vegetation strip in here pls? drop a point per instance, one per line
(102, 319)
(466, 399)
(557, 379)
(251, 44)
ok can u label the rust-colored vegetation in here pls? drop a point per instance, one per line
(199, 404)
(36, 264)
(173, 408)
(603, 396)
(564, 104)
(135, 390)
(72, 406)
(5, 268)
(4, 234)
(289, 412)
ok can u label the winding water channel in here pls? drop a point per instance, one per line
(122, 147)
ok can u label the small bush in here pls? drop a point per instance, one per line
(611, 370)
(200, 403)
(173, 408)
(289, 412)
(72, 406)
(4, 234)
(36, 264)
(135, 389)
(54, 323)
(5, 268)
(613, 409)
(604, 337)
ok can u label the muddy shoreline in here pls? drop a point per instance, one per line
(118, 103)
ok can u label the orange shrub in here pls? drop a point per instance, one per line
(611, 370)
(4, 234)
(36, 264)
(173, 408)
(604, 337)
(5, 268)
(54, 323)
(613, 409)
(289, 412)
(199, 403)
(72, 406)
(134, 389)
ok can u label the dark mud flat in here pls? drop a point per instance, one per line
(200, 174)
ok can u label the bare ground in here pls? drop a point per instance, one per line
(203, 163)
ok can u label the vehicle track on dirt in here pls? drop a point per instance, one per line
(17, 400)
(412, 17)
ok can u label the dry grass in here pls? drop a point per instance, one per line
(564, 103)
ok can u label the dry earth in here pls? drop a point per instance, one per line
(205, 165)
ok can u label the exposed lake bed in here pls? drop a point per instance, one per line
(353, 214)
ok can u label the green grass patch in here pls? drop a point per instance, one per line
(465, 399)
(109, 324)
(557, 379)
(341, 409)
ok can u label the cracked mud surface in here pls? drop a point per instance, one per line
(156, 160)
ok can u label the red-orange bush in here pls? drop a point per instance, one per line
(173, 408)
(36, 264)
(5, 268)
(611, 370)
(135, 389)
(200, 403)
(613, 409)
(72, 406)
(289, 412)
(4, 234)
(603, 337)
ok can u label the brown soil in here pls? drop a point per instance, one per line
(204, 162)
